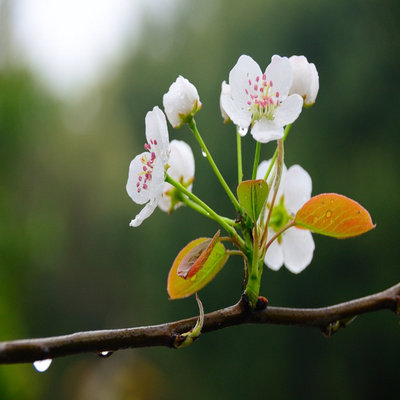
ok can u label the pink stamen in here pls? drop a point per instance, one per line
(145, 186)
(264, 77)
(249, 103)
(140, 178)
(247, 92)
(249, 82)
(144, 168)
(256, 87)
(277, 102)
(147, 146)
(138, 190)
(155, 142)
(277, 94)
(257, 79)
(270, 84)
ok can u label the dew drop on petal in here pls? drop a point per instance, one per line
(42, 365)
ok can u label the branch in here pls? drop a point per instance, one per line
(327, 319)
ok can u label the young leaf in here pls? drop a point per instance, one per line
(195, 266)
(334, 215)
(252, 196)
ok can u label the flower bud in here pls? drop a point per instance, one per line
(305, 79)
(181, 102)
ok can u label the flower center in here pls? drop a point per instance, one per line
(262, 100)
(147, 161)
(279, 217)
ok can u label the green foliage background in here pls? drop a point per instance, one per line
(69, 261)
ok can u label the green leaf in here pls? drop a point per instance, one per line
(195, 266)
(334, 215)
(252, 196)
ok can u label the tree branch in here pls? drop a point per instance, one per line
(327, 319)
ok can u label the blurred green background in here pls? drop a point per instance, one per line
(69, 262)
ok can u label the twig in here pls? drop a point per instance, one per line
(327, 319)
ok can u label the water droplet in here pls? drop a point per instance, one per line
(42, 365)
(104, 354)
(203, 153)
(328, 214)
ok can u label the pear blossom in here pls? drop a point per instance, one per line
(262, 99)
(225, 91)
(181, 169)
(295, 247)
(147, 170)
(305, 79)
(181, 101)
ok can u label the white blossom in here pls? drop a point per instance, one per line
(295, 247)
(261, 99)
(181, 169)
(147, 170)
(181, 101)
(305, 79)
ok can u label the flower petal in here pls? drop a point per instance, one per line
(239, 117)
(145, 212)
(297, 188)
(156, 129)
(265, 130)
(305, 79)
(289, 110)
(298, 248)
(136, 169)
(274, 256)
(280, 72)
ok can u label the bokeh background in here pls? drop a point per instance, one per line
(68, 260)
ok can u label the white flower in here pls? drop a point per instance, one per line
(305, 79)
(147, 170)
(295, 247)
(181, 169)
(261, 99)
(225, 92)
(181, 101)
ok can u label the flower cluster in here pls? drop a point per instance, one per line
(266, 102)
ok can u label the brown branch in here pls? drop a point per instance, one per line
(328, 319)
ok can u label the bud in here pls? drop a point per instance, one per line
(181, 102)
(305, 79)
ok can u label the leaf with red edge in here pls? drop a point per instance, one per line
(195, 266)
(334, 215)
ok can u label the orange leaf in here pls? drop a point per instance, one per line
(334, 215)
(195, 266)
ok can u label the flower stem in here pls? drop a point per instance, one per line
(256, 160)
(239, 156)
(221, 220)
(287, 129)
(193, 127)
(277, 234)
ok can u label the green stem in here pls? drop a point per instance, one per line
(209, 210)
(256, 160)
(287, 130)
(193, 127)
(277, 234)
(239, 156)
